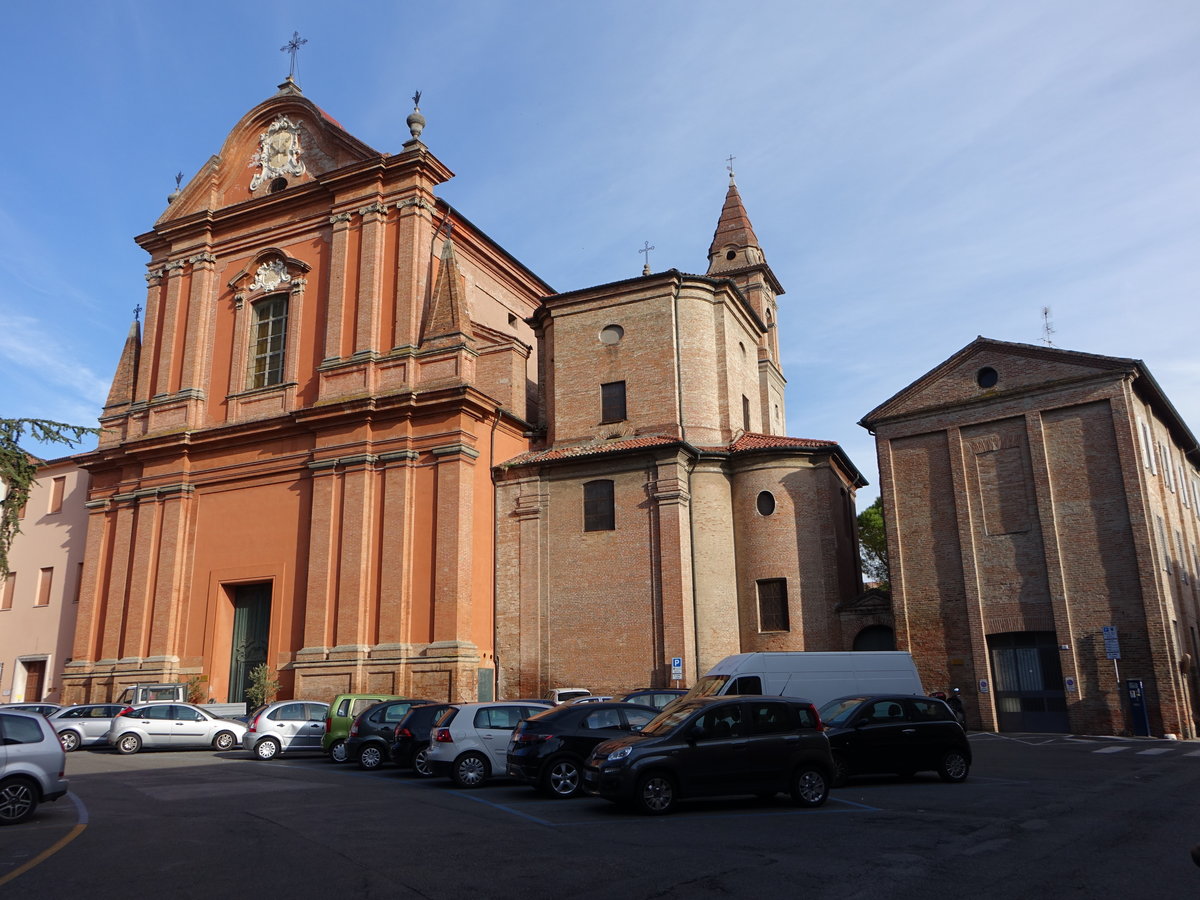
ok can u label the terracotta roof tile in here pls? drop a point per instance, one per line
(753, 441)
(592, 448)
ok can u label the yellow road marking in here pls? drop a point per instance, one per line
(44, 855)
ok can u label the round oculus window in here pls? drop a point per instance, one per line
(987, 377)
(766, 503)
(611, 334)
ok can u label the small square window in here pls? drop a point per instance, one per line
(57, 488)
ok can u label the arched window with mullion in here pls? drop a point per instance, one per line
(268, 340)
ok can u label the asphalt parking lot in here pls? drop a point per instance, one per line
(1039, 814)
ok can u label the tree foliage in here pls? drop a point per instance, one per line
(18, 469)
(263, 686)
(872, 544)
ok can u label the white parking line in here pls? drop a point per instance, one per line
(1111, 750)
(1193, 753)
(1155, 751)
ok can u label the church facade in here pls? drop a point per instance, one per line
(337, 444)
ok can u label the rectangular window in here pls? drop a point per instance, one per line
(1147, 447)
(45, 580)
(1165, 459)
(612, 402)
(1183, 491)
(773, 605)
(1183, 573)
(78, 583)
(745, 413)
(10, 585)
(1166, 548)
(57, 488)
(599, 510)
(267, 342)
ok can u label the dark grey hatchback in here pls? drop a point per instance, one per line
(896, 734)
(716, 746)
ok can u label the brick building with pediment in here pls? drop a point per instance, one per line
(1043, 515)
(359, 441)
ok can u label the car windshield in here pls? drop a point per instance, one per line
(837, 712)
(667, 720)
(709, 686)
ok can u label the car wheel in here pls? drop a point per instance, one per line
(420, 763)
(267, 748)
(223, 741)
(470, 770)
(561, 778)
(841, 770)
(371, 757)
(337, 751)
(18, 800)
(129, 743)
(655, 794)
(70, 740)
(953, 767)
(810, 786)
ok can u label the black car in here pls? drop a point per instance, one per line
(547, 750)
(897, 734)
(372, 733)
(656, 697)
(711, 746)
(410, 739)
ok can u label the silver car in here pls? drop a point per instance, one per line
(84, 725)
(172, 726)
(285, 726)
(32, 763)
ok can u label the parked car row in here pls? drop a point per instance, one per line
(631, 753)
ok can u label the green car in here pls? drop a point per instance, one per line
(342, 712)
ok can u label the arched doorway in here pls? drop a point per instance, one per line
(875, 637)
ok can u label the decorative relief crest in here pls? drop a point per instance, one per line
(271, 275)
(278, 152)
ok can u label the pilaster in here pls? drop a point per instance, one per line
(453, 556)
(370, 278)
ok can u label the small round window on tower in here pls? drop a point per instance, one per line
(766, 503)
(731, 254)
(987, 377)
(611, 334)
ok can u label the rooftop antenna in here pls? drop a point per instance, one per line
(1047, 327)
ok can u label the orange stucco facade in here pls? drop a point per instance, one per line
(297, 461)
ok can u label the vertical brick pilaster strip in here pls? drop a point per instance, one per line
(356, 585)
(413, 254)
(334, 324)
(115, 614)
(395, 542)
(453, 557)
(675, 571)
(142, 575)
(367, 335)
(155, 294)
(320, 603)
(167, 334)
(198, 338)
(174, 513)
(93, 592)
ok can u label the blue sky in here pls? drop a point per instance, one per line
(918, 173)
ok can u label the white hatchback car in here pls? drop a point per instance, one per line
(172, 726)
(470, 740)
(32, 764)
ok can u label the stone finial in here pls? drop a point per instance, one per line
(416, 121)
(174, 195)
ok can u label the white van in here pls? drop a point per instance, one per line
(814, 676)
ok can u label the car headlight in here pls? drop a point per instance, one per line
(619, 753)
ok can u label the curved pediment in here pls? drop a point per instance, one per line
(285, 141)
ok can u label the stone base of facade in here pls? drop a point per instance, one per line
(444, 670)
